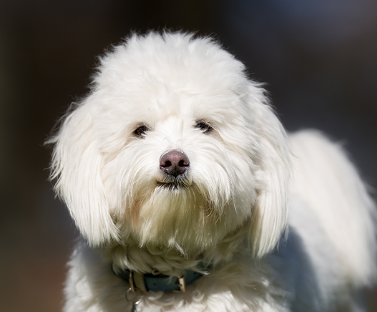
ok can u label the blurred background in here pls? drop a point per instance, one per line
(318, 59)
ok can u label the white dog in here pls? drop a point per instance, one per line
(176, 171)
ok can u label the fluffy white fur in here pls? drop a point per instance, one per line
(232, 209)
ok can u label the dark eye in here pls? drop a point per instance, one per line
(140, 131)
(204, 127)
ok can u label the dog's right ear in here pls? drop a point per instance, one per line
(76, 166)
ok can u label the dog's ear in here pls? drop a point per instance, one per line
(76, 166)
(269, 216)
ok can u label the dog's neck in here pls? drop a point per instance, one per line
(171, 261)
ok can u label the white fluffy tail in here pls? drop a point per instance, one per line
(333, 188)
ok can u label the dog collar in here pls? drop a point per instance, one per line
(147, 282)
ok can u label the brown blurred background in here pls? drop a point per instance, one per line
(319, 59)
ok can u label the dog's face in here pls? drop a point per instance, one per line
(173, 147)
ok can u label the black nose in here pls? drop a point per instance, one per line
(174, 163)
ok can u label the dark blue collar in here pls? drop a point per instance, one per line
(147, 282)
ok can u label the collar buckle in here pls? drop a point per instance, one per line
(182, 284)
(131, 281)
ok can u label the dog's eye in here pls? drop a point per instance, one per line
(204, 127)
(140, 131)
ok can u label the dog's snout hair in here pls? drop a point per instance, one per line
(174, 163)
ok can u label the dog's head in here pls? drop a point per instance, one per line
(174, 146)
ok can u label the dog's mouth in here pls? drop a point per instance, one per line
(174, 183)
(170, 186)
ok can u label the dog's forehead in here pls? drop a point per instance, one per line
(158, 98)
(156, 102)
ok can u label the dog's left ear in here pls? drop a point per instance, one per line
(269, 216)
